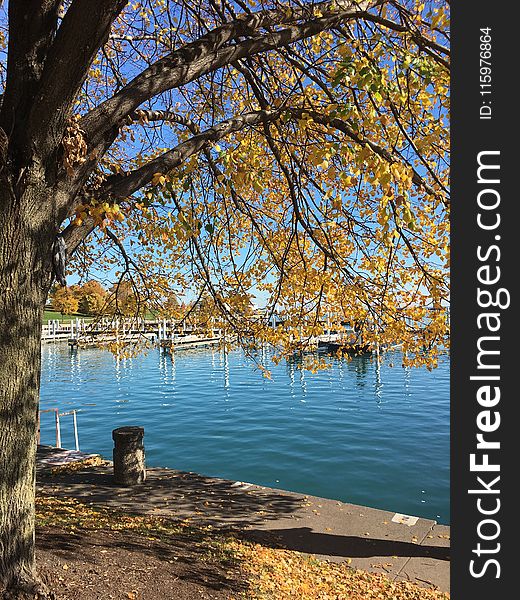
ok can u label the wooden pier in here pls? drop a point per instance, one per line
(168, 335)
(190, 341)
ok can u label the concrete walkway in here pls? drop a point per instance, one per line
(406, 548)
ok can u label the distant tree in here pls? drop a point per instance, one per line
(92, 304)
(92, 298)
(65, 301)
(202, 311)
(76, 290)
(125, 300)
(93, 287)
(171, 307)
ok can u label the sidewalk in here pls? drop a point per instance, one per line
(367, 538)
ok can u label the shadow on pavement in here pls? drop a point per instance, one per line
(303, 539)
(175, 494)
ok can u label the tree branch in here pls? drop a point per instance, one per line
(74, 235)
(209, 53)
(121, 186)
(345, 128)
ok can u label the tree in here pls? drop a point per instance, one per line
(65, 301)
(171, 309)
(92, 298)
(125, 300)
(91, 304)
(293, 149)
(92, 287)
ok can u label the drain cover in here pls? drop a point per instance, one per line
(404, 519)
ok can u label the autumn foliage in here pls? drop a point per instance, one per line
(87, 299)
(312, 179)
(65, 301)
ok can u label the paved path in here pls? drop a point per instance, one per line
(367, 538)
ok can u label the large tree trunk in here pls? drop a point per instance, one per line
(25, 250)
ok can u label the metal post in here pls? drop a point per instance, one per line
(58, 429)
(75, 429)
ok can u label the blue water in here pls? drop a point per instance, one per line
(355, 432)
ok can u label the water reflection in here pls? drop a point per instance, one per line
(75, 365)
(295, 370)
(167, 367)
(407, 387)
(225, 356)
(359, 365)
(378, 383)
(303, 384)
(291, 369)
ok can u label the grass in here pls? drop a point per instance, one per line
(52, 315)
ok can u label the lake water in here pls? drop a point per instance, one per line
(377, 436)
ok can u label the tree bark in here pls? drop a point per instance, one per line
(25, 246)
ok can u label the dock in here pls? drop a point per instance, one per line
(170, 336)
(346, 347)
(190, 341)
(335, 343)
(167, 335)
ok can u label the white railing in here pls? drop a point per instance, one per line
(57, 421)
(162, 329)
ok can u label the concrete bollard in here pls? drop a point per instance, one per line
(129, 460)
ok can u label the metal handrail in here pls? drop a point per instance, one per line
(57, 421)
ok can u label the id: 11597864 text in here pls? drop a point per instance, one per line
(485, 54)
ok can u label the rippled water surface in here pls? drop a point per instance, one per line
(357, 433)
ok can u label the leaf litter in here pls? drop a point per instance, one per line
(267, 573)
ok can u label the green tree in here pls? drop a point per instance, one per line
(297, 149)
